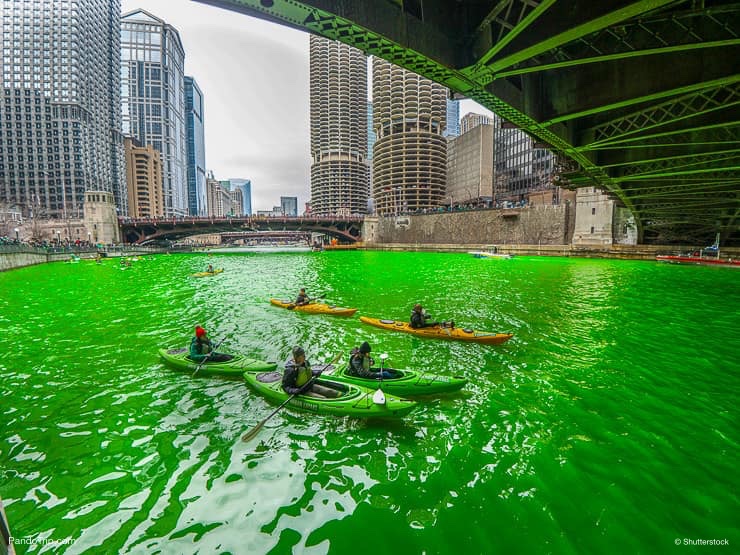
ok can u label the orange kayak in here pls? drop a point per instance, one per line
(438, 332)
(315, 308)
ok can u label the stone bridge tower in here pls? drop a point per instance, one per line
(100, 217)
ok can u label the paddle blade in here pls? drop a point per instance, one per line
(379, 397)
(253, 432)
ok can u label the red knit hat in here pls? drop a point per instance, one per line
(200, 332)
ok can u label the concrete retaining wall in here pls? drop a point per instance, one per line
(17, 256)
(531, 225)
(11, 260)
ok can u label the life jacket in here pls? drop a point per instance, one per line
(304, 374)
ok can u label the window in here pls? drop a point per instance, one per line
(593, 213)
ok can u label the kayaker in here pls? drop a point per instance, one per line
(201, 346)
(302, 298)
(419, 319)
(298, 374)
(360, 364)
(210, 269)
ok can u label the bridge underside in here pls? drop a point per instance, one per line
(144, 231)
(640, 98)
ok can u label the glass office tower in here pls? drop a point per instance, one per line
(153, 99)
(196, 149)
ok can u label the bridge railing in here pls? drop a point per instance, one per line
(124, 220)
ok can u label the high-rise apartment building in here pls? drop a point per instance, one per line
(452, 127)
(143, 179)
(196, 148)
(153, 98)
(471, 120)
(245, 185)
(370, 133)
(60, 113)
(289, 206)
(339, 170)
(410, 155)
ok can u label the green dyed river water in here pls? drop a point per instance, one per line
(608, 424)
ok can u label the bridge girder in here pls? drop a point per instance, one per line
(603, 83)
(142, 231)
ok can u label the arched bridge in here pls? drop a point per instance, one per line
(638, 97)
(146, 230)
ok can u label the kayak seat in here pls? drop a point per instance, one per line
(177, 351)
(269, 377)
(467, 330)
(333, 385)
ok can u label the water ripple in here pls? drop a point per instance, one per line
(610, 415)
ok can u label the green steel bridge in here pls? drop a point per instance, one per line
(641, 98)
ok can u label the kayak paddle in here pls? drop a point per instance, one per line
(379, 396)
(254, 431)
(202, 362)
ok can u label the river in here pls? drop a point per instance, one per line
(609, 423)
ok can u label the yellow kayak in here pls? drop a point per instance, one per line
(206, 274)
(438, 332)
(315, 308)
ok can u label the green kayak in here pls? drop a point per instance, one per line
(355, 400)
(405, 383)
(179, 360)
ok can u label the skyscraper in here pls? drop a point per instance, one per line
(196, 148)
(470, 166)
(246, 186)
(370, 133)
(410, 155)
(143, 179)
(339, 171)
(472, 120)
(59, 105)
(153, 98)
(289, 206)
(452, 129)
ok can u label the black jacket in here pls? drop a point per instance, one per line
(357, 369)
(290, 376)
(418, 319)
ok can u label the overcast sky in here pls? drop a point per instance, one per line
(254, 78)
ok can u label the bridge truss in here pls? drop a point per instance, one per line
(639, 98)
(147, 230)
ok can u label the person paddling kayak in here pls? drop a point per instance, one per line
(302, 298)
(360, 364)
(298, 374)
(201, 347)
(419, 319)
